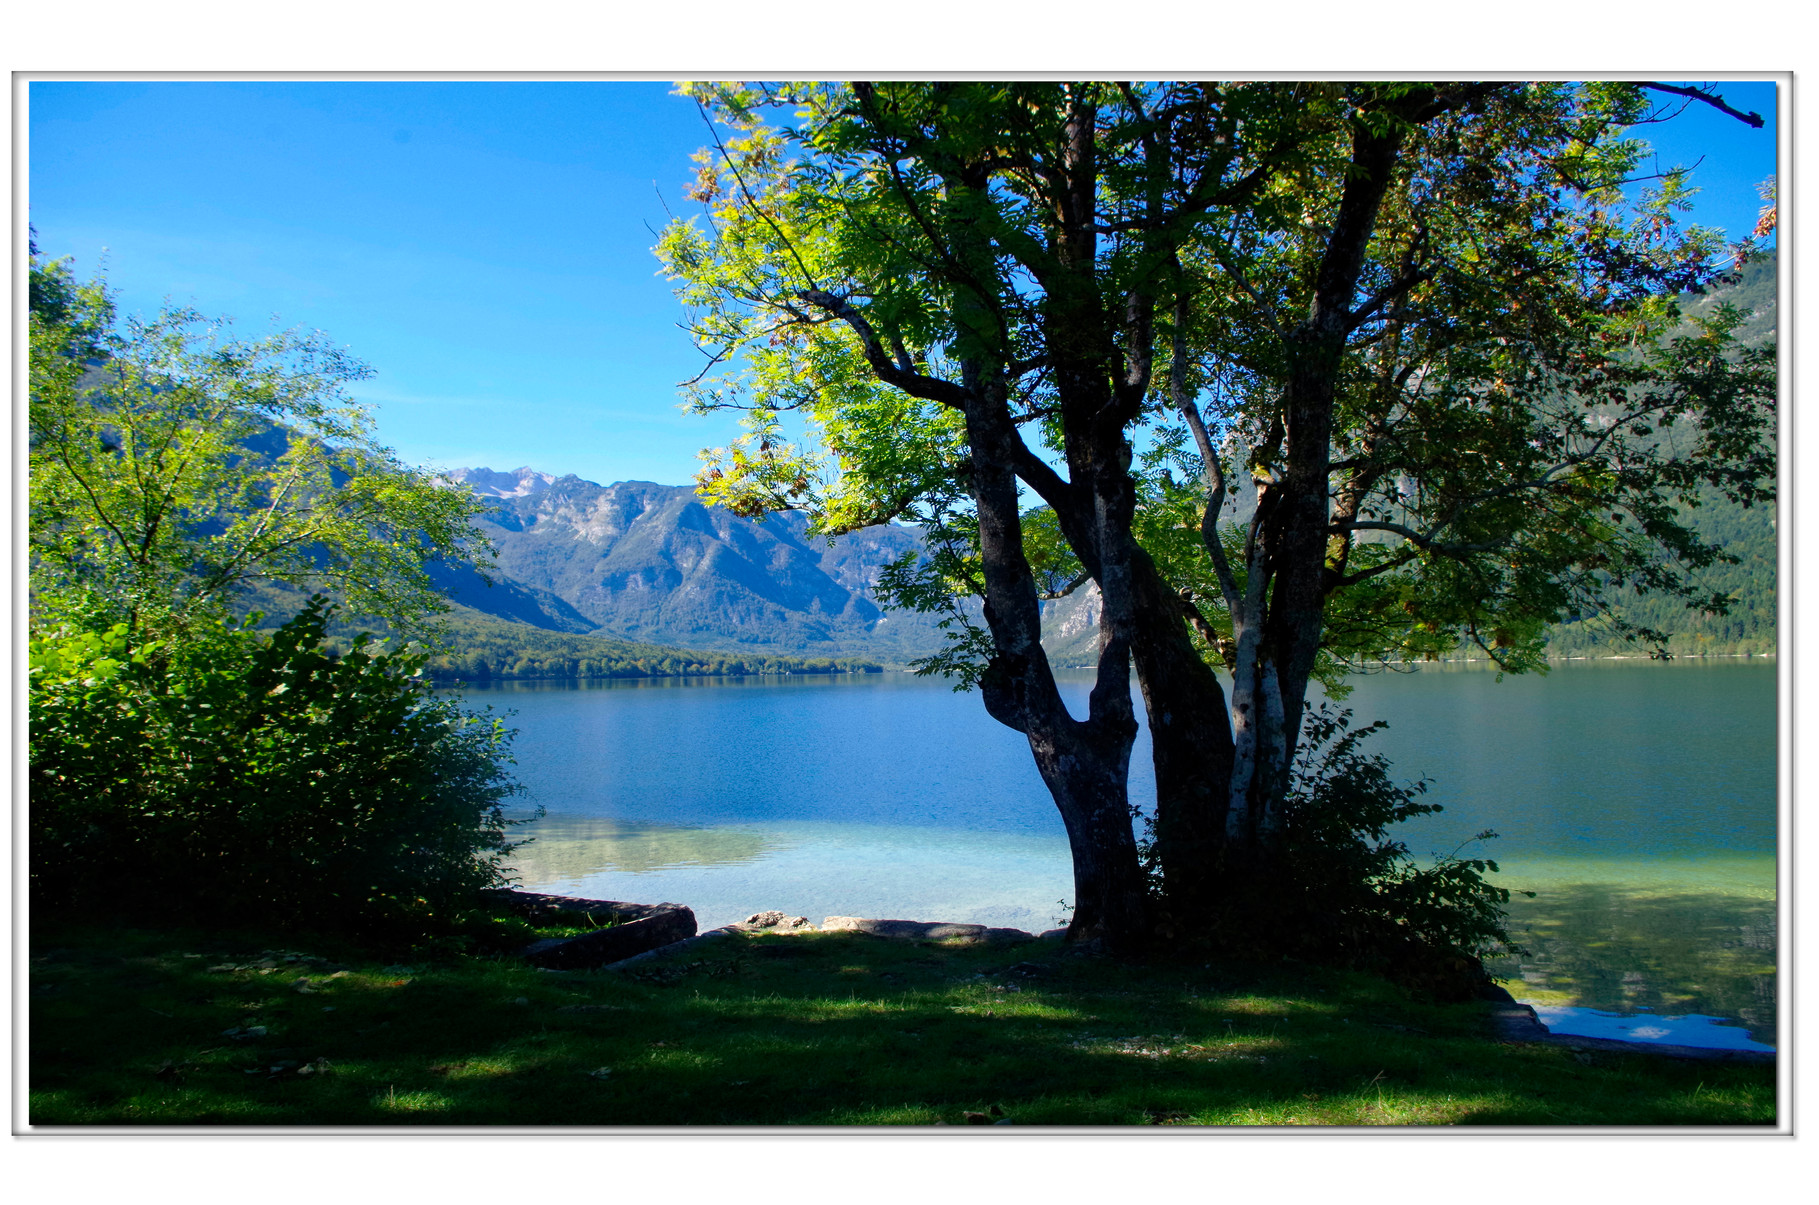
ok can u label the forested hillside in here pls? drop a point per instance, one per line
(1747, 534)
(478, 647)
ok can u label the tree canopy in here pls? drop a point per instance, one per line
(1421, 339)
(173, 463)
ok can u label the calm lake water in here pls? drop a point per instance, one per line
(1637, 800)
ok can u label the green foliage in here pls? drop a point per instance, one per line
(1427, 329)
(174, 463)
(262, 777)
(1522, 410)
(1528, 396)
(939, 581)
(180, 761)
(1342, 804)
(78, 313)
(1341, 890)
(778, 226)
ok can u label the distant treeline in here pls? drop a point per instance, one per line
(1749, 625)
(485, 650)
(479, 648)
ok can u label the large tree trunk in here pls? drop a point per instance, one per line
(1298, 524)
(1085, 763)
(1221, 780)
(1190, 745)
(1086, 766)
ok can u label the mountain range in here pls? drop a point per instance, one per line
(639, 561)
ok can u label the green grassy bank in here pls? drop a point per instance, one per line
(173, 1027)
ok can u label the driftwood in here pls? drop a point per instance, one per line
(631, 929)
(535, 907)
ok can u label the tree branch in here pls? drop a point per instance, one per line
(887, 370)
(1225, 647)
(1753, 120)
(1419, 539)
(1352, 579)
(1080, 579)
(1212, 471)
(749, 198)
(1389, 292)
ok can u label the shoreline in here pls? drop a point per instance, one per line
(449, 683)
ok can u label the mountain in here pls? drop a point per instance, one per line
(651, 563)
(641, 561)
(1752, 291)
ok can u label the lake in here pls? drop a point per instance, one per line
(1636, 799)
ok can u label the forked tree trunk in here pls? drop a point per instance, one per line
(1085, 767)
(1084, 763)
(1278, 613)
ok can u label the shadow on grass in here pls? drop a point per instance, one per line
(820, 1029)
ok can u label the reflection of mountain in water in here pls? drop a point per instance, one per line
(1605, 946)
(571, 847)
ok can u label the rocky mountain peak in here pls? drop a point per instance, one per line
(488, 483)
(639, 560)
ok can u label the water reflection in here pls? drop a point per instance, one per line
(746, 682)
(1710, 1033)
(1624, 949)
(1622, 760)
(1637, 798)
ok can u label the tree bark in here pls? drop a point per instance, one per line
(1297, 526)
(1084, 763)
(1190, 743)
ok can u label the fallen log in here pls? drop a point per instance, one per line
(631, 929)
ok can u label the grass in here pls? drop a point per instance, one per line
(177, 1027)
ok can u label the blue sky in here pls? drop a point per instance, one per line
(484, 245)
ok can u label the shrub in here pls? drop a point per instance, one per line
(1358, 895)
(1337, 889)
(269, 778)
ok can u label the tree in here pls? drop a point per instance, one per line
(1452, 376)
(1427, 327)
(177, 756)
(173, 464)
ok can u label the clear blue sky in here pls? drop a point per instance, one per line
(484, 245)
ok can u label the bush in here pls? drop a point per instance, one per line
(268, 779)
(1359, 895)
(1337, 889)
